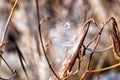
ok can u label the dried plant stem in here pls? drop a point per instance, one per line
(81, 54)
(7, 64)
(104, 69)
(69, 66)
(89, 61)
(8, 21)
(87, 23)
(13, 71)
(116, 65)
(98, 38)
(14, 75)
(4, 33)
(74, 56)
(40, 36)
(44, 19)
(48, 42)
(85, 72)
(99, 35)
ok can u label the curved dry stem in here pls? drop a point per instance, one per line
(97, 36)
(41, 40)
(89, 61)
(104, 69)
(7, 25)
(74, 56)
(4, 33)
(8, 21)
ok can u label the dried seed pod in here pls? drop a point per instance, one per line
(116, 41)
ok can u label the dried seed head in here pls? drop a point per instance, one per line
(66, 37)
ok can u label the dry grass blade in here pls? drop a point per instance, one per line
(116, 41)
(21, 58)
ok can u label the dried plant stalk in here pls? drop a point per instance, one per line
(4, 34)
(40, 36)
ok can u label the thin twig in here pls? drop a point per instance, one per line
(98, 38)
(7, 64)
(40, 36)
(7, 25)
(48, 42)
(8, 21)
(84, 49)
(44, 19)
(85, 72)
(73, 58)
(104, 69)
(89, 61)
(14, 75)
